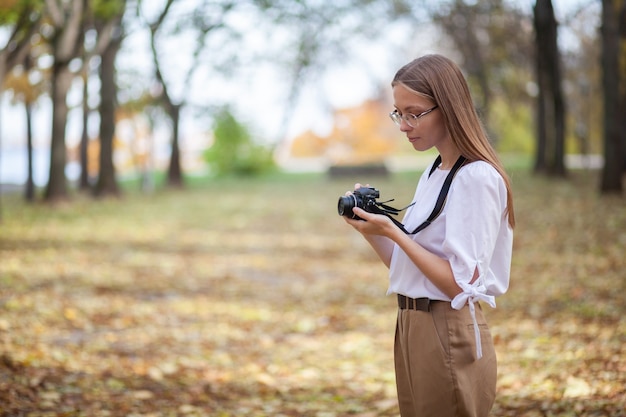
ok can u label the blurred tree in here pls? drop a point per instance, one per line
(64, 27)
(102, 28)
(320, 35)
(614, 88)
(146, 106)
(108, 23)
(233, 151)
(550, 151)
(622, 81)
(491, 36)
(174, 173)
(29, 99)
(206, 20)
(83, 181)
(308, 145)
(21, 18)
(27, 86)
(582, 81)
(494, 42)
(65, 24)
(360, 135)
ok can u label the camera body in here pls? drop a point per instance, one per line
(363, 198)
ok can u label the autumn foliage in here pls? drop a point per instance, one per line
(253, 298)
(362, 134)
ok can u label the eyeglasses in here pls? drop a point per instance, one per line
(410, 119)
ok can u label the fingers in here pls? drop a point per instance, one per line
(356, 224)
(368, 223)
(365, 215)
(356, 187)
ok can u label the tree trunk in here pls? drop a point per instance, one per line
(107, 184)
(541, 165)
(551, 108)
(0, 157)
(550, 156)
(57, 183)
(174, 172)
(611, 181)
(622, 81)
(66, 18)
(30, 184)
(84, 138)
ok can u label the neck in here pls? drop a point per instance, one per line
(449, 153)
(448, 161)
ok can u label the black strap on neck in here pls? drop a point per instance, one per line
(443, 194)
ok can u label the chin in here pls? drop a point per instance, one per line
(420, 147)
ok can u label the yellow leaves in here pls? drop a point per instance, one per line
(163, 370)
(266, 379)
(361, 134)
(308, 145)
(70, 314)
(577, 387)
(49, 399)
(253, 299)
(142, 395)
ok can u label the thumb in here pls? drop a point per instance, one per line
(361, 213)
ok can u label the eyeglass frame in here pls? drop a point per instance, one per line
(397, 118)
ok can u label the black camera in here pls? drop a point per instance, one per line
(363, 198)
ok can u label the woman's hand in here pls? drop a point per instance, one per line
(372, 224)
(373, 229)
(356, 187)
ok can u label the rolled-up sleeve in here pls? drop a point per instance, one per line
(475, 214)
(475, 239)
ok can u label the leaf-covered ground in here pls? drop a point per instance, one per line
(253, 298)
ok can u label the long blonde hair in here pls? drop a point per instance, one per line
(441, 80)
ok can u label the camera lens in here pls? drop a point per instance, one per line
(345, 205)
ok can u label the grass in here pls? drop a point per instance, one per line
(252, 298)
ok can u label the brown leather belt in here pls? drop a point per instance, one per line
(420, 304)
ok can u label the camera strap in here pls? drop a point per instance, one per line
(443, 194)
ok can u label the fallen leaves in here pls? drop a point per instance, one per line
(254, 299)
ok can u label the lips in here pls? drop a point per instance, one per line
(413, 139)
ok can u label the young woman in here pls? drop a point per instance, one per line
(444, 356)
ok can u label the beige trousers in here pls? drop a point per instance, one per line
(437, 373)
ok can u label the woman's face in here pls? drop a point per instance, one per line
(429, 130)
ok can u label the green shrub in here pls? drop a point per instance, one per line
(234, 152)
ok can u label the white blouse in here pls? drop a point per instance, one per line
(472, 232)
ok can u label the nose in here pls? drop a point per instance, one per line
(404, 126)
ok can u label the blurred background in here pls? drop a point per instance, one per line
(97, 92)
(224, 283)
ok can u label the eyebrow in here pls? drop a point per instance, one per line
(411, 109)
